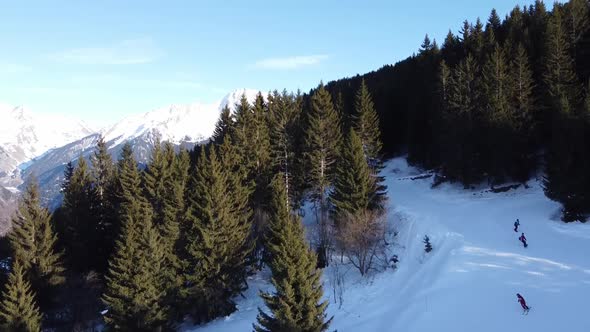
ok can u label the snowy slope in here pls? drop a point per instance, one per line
(469, 282)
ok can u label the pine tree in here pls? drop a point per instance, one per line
(34, 245)
(224, 125)
(217, 244)
(135, 283)
(352, 186)
(18, 310)
(79, 232)
(295, 305)
(322, 140)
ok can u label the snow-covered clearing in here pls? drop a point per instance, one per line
(470, 280)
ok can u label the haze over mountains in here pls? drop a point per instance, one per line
(41, 145)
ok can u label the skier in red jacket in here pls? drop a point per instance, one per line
(522, 302)
(523, 240)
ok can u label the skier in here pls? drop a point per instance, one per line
(523, 240)
(522, 302)
(516, 224)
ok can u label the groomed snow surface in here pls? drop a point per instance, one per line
(470, 280)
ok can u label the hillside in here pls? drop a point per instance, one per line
(470, 280)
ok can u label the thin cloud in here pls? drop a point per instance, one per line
(13, 68)
(127, 52)
(292, 62)
(110, 79)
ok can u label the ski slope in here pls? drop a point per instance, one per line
(470, 280)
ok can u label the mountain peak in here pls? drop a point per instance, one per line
(234, 97)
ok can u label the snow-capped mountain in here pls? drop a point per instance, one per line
(183, 125)
(25, 135)
(176, 123)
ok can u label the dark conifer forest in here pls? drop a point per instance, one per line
(147, 247)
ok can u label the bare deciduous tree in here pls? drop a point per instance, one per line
(361, 238)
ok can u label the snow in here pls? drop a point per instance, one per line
(28, 135)
(470, 280)
(176, 123)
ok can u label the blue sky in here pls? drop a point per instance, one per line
(103, 60)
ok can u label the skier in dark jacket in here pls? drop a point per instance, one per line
(516, 224)
(522, 302)
(523, 240)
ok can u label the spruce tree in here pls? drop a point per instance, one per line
(279, 216)
(322, 140)
(242, 138)
(260, 139)
(477, 40)
(427, 244)
(283, 119)
(522, 84)
(295, 305)
(78, 231)
(560, 78)
(217, 245)
(224, 125)
(103, 211)
(495, 86)
(135, 285)
(33, 242)
(164, 181)
(578, 22)
(494, 21)
(261, 150)
(366, 124)
(522, 109)
(461, 159)
(353, 184)
(566, 133)
(18, 310)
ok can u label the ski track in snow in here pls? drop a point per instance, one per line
(470, 280)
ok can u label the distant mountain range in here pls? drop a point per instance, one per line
(32, 144)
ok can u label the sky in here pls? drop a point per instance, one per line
(103, 60)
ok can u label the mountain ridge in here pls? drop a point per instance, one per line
(184, 125)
